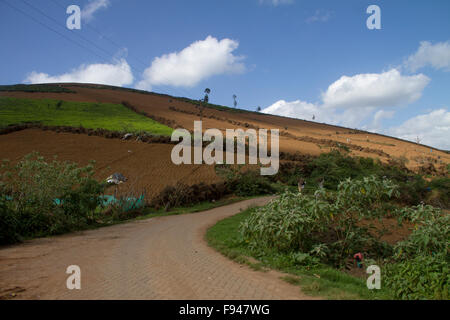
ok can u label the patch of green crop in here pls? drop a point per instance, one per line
(114, 117)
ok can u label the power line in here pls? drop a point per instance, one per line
(51, 29)
(82, 46)
(73, 32)
(144, 64)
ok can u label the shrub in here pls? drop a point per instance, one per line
(288, 223)
(365, 195)
(419, 268)
(324, 225)
(245, 182)
(421, 277)
(8, 223)
(47, 197)
(182, 195)
(251, 183)
(440, 192)
(431, 233)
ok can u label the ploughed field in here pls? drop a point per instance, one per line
(297, 135)
(148, 165)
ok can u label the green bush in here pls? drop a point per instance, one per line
(183, 195)
(419, 268)
(8, 223)
(421, 277)
(365, 195)
(251, 183)
(440, 192)
(245, 182)
(431, 234)
(289, 223)
(46, 198)
(324, 225)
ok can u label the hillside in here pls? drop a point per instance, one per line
(149, 165)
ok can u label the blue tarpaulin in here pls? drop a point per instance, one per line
(127, 204)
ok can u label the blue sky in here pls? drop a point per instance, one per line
(295, 58)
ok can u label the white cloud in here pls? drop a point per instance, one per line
(378, 116)
(319, 17)
(385, 89)
(432, 128)
(200, 60)
(293, 109)
(92, 7)
(436, 56)
(307, 111)
(351, 101)
(276, 2)
(117, 74)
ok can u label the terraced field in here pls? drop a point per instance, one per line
(302, 136)
(149, 166)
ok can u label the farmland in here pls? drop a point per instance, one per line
(342, 167)
(114, 117)
(305, 137)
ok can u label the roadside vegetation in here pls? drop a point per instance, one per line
(395, 218)
(316, 237)
(329, 169)
(41, 197)
(114, 117)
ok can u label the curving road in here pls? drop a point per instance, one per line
(158, 258)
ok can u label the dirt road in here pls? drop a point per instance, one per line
(158, 258)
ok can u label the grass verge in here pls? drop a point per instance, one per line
(322, 281)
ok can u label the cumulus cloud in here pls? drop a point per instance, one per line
(361, 101)
(315, 112)
(200, 60)
(385, 89)
(92, 7)
(432, 128)
(378, 117)
(293, 109)
(434, 55)
(351, 100)
(276, 2)
(116, 74)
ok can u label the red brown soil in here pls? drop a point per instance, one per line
(388, 229)
(314, 137)
(147, 166)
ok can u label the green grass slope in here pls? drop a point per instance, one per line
(114, 117)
